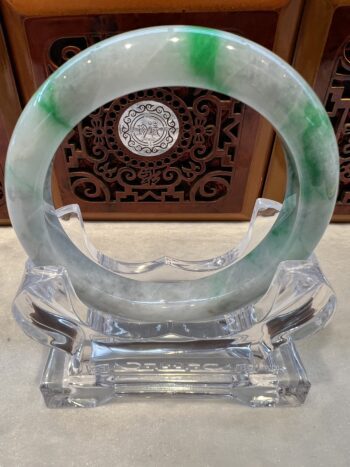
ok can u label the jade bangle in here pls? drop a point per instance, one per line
(174, 56)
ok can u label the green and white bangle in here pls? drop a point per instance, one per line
(174, 56)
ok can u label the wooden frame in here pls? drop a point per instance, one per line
(9, 112)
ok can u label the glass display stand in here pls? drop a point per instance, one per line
(247, 355)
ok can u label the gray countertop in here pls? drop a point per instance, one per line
(182, 432)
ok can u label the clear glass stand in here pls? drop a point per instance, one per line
(247, 355)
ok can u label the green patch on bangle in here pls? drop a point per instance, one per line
(203, 48)
(315, 127)
(318, 123)
(47, 101)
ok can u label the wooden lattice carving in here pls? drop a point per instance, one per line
(337, 103)
(198, 167)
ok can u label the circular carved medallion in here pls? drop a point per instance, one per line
(148, 128)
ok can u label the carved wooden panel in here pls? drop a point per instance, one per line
(333, 86)
(199, 166)
(207, 168)
(337, 104)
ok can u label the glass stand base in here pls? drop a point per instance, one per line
(246, 354)
(246, 374)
